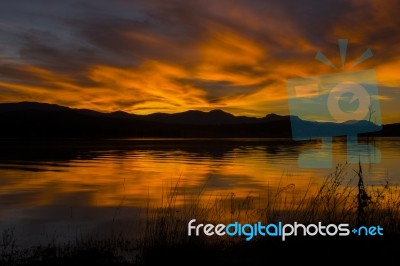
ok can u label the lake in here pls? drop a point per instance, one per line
(57, 190)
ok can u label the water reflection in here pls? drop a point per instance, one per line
(60, 185)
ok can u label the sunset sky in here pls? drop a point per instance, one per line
(171, 56)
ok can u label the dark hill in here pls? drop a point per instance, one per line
(37, 120)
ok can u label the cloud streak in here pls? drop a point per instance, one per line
(157, 56)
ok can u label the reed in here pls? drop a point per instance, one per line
(342, 198)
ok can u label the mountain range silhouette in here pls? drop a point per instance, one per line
(43, 120)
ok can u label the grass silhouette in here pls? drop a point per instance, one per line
(165, 240)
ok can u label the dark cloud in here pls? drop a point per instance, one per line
(217, 91)
(219, 51)
(127, 32)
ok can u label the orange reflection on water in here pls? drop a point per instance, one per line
(135, 177)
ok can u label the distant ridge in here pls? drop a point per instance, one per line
(42, 120)
(24, 106)
(191, 117)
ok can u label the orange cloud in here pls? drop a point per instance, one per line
(198, 58)
(156, 86)
(388, 74)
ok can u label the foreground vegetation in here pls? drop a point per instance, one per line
(342, 198)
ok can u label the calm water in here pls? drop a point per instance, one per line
(54, 191)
